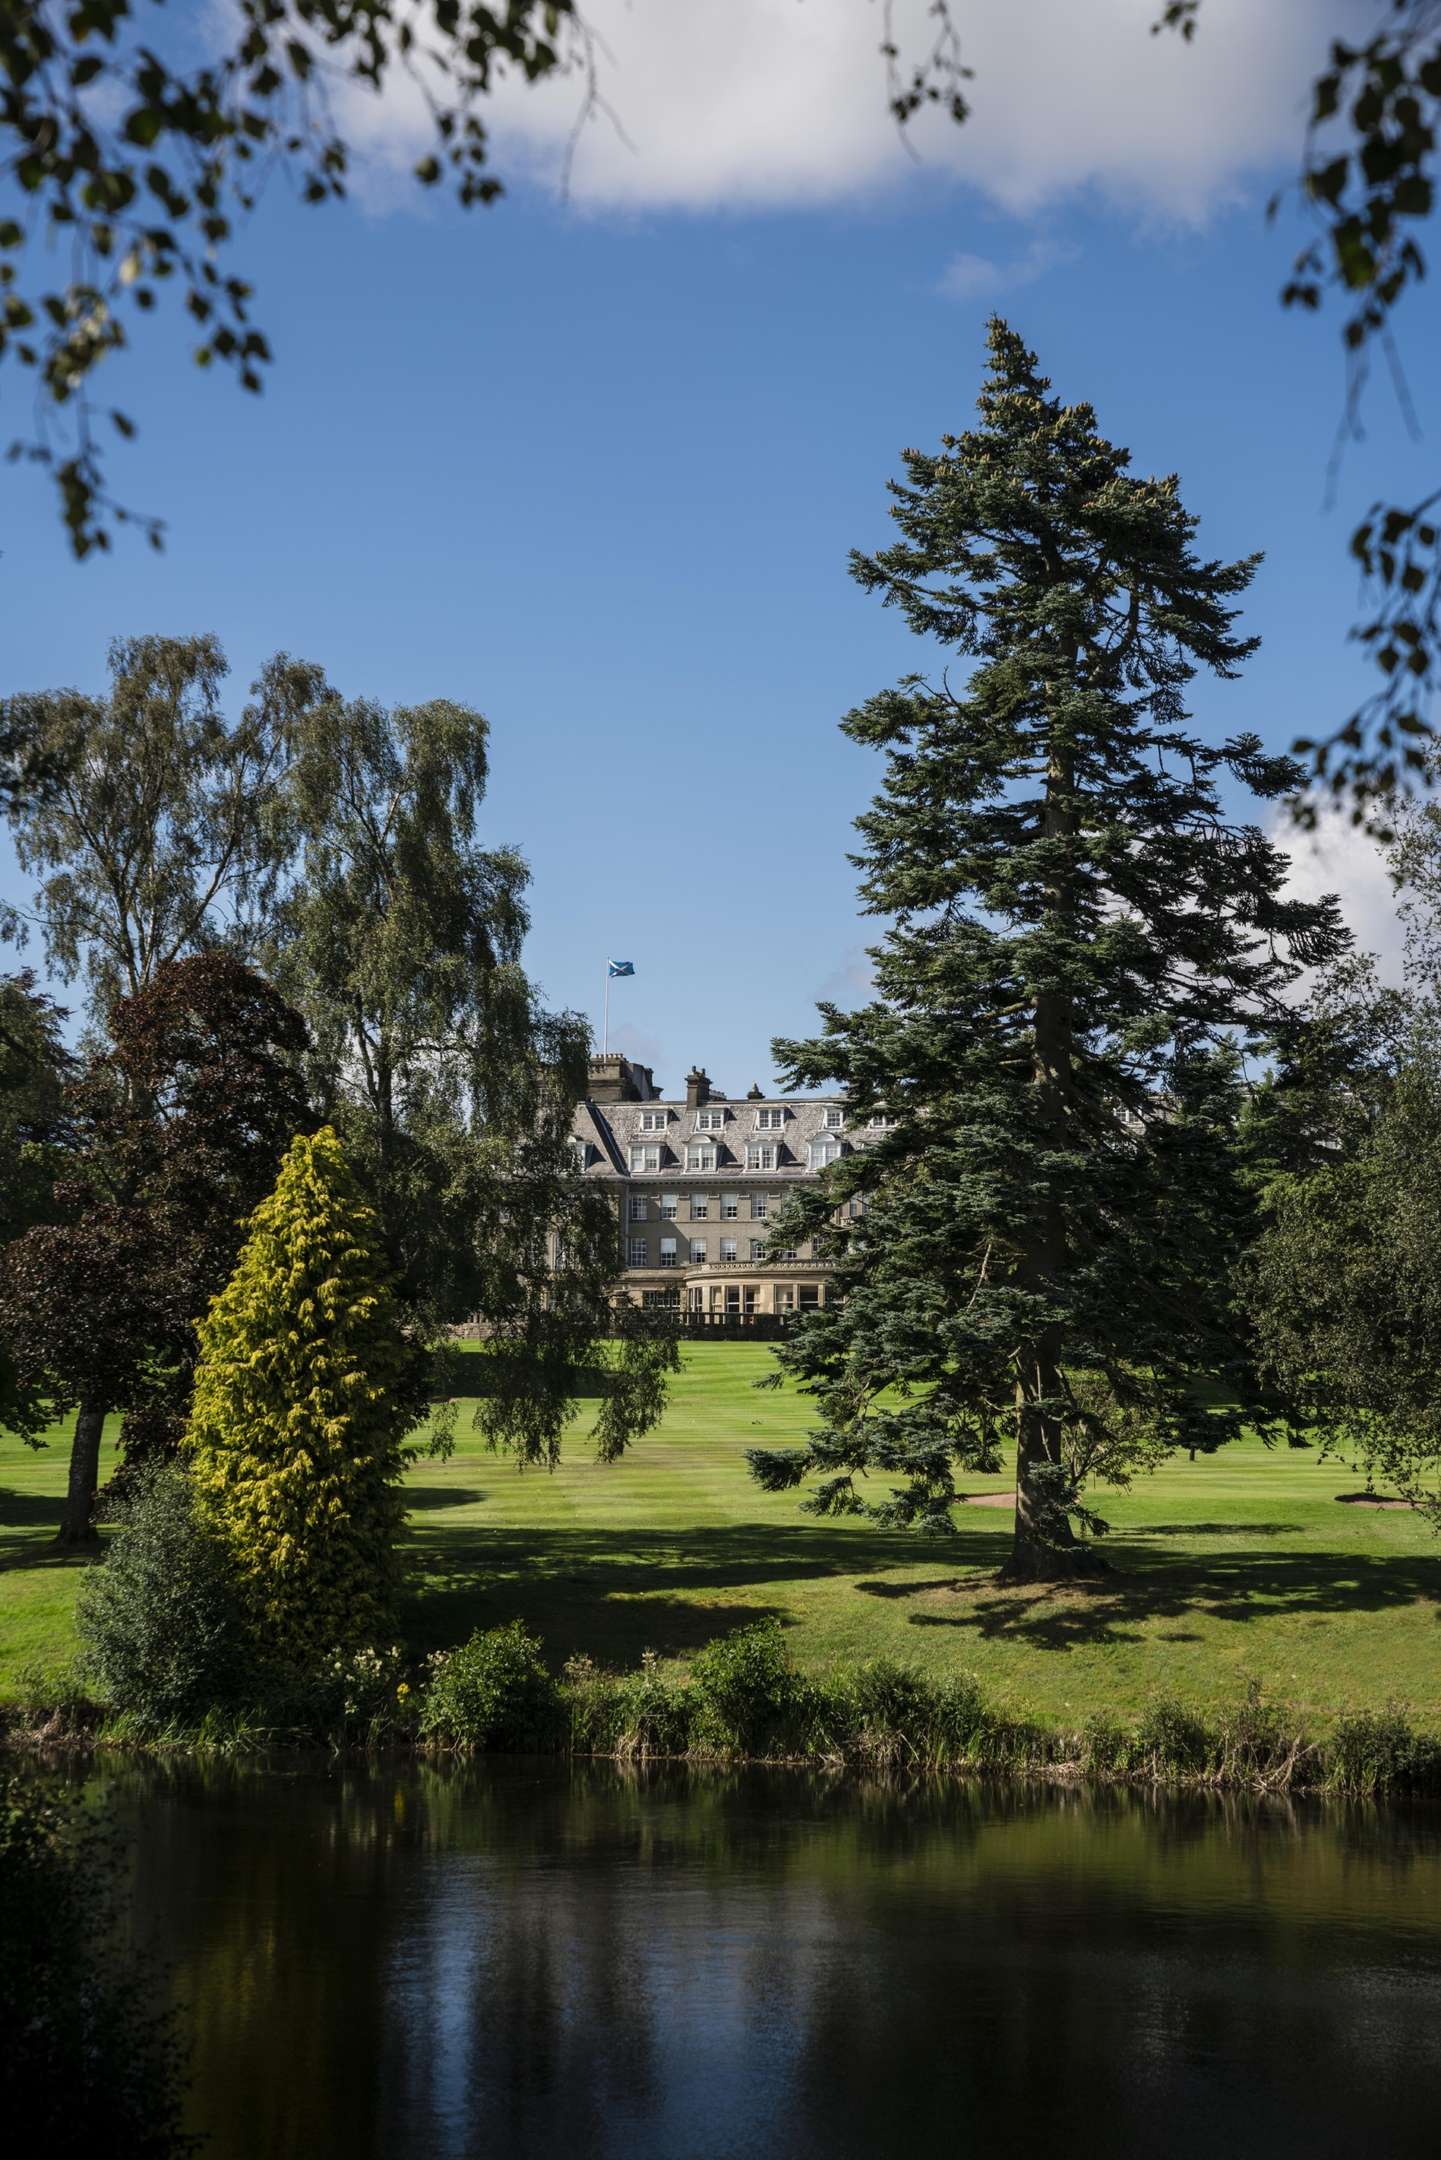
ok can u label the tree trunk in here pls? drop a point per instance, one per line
(1058, 1556)
(77, 1526)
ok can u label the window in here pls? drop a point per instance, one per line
(710, 1121)
(785, 1298)
(758, 1246)
(758, 1207)
(788, 1253)
(770, 1120)
(856, 1208)
(637, 1207)
(835, 1119)
(728, 1248)
(700, 1158)
(637, 1252)
(823, 1152)
(582, 1154)
(697, 1251)
(653, 1120)
(810, 1296)
(669, 1203)
(760, 1158)
(749, 1294)
(667, 1252)
(666, 1299)
(698, 1207)
(730, 1207)
(881, 1122)
(697, 1298)
(645, 1158)
(733, 1302)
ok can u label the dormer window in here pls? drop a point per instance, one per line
(700, 1156)
(770, 1120)
(823, 1152)
(653, 1120)
(645, 1158)
(881, 1122)
(710, 1121)
(582, 1154)
(835, 1118)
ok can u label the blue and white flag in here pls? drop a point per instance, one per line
(622, 967)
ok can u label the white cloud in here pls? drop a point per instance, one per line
(1338, 858)
(782, 103)
(976, 277)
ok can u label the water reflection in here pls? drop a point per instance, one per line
(527, 1959)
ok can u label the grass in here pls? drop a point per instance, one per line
(1244, 1564)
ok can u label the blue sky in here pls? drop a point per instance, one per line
(594, 466)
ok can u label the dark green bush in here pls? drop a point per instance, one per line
(1381, 1751)
(90, 2059)
(748, 1697)
(159, 1625)
(1171, 1738)
(494, 1694)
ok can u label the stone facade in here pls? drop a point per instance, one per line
(698, 1183)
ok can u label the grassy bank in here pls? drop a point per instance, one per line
(1244, 1565)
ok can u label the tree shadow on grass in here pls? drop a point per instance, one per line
(428, 1499)
(616, 1593)
(29, 1511)
(1241, 1587)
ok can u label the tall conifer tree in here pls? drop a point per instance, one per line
(304, 1393)
(1037, 1249)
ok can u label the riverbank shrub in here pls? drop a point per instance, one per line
(90, 2055)
(1380, 1751)
(494, 1694)
(158, 1620)
(748, 1698)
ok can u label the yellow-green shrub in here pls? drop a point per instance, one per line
(304, 1393)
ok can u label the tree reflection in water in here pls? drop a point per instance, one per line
(527, 1959)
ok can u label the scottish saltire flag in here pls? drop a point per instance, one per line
(622, 967)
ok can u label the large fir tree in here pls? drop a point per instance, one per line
(1037, 1249)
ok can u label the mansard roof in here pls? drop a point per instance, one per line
(613, 1128)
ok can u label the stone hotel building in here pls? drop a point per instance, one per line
(698, 1184)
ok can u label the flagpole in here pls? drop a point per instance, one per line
(605, 1031)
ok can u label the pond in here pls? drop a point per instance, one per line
(523, 1958)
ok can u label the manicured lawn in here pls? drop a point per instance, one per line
(1243, 1564)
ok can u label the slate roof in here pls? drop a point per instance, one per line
(612, 1129)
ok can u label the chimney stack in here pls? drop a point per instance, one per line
(697, 1088)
